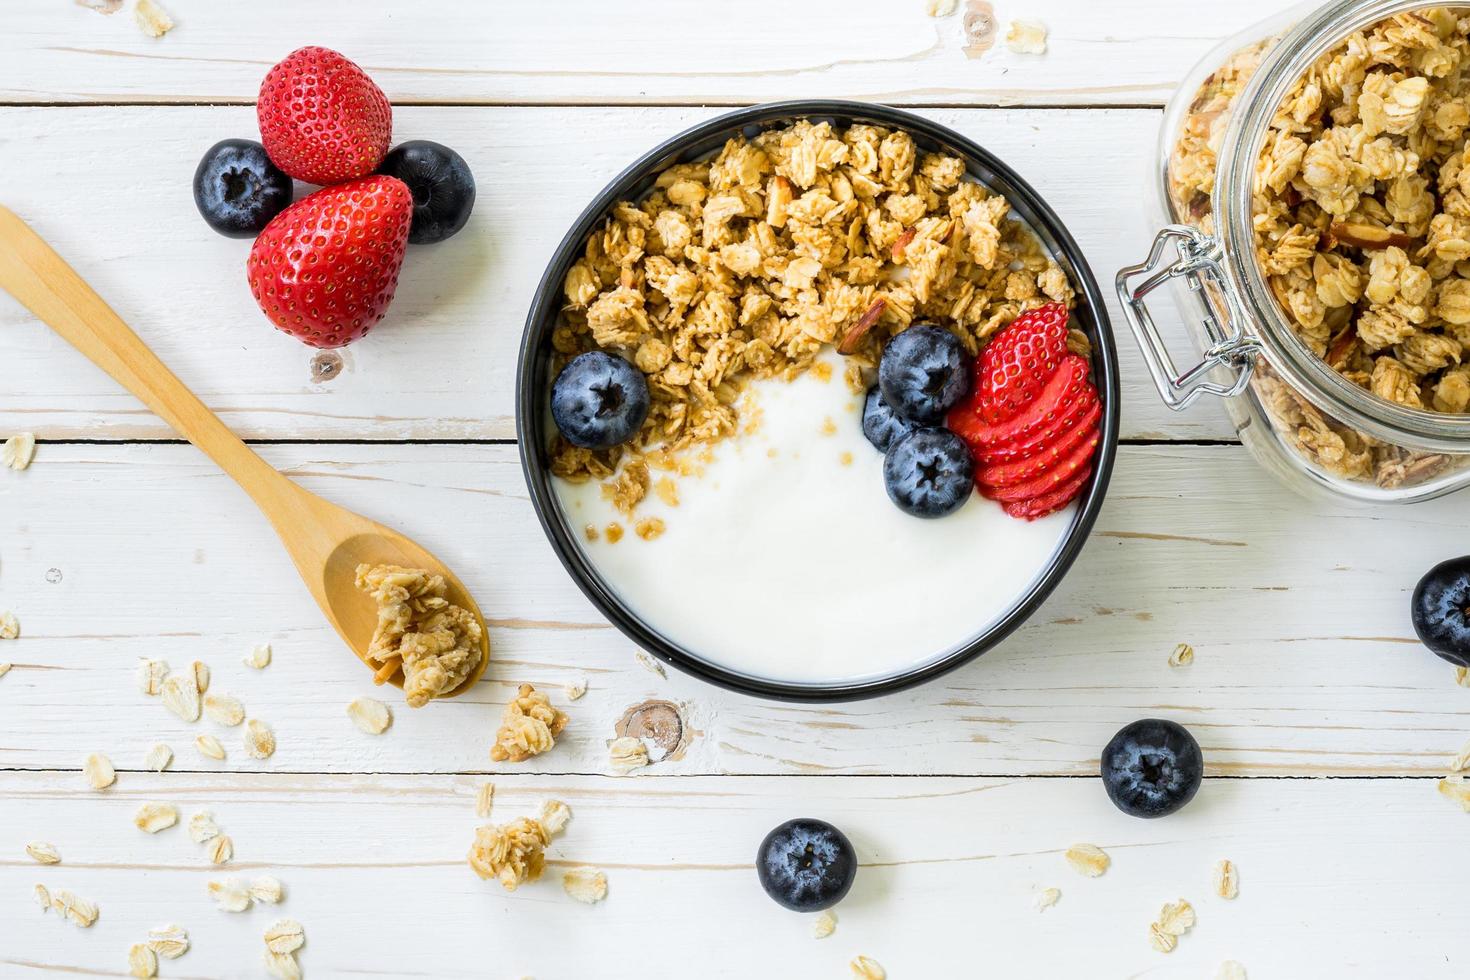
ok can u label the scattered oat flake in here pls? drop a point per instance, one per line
(1047, 897)
(18, 451)
(576, 689)
(44, 853)
(152, 19)
(230, 895)
(1088, 859)
(648, 663)
(209, 747)
(169, 941)
(1461, 762)
(1161, 940)
(43, 897)
(259, 656)
(586, 885)
(1176, 918)
(370, 715)
(202, 828)
(9, 626)
(1230, 970)
(222, 709)
(4, 669)
(941, 8)
(159, 757)
(99, 771)
(201, 676)
(285, 936)
(142, 961)
(181, 695)
(554, 816)
(1026, 37)
(485, 799)
(260, 741)
(824, 924)
(1182, 656)
(221, 849)
(627, 754)
(1227, 879)
(1462, 676)
(151, 675)
(282, 966)
(153, 817)
(1456, 789)
(267, 889)
(867, 968)
(78, 910)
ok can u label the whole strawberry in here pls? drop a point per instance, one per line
(1016, 363)
(322, 119)
(324, 269)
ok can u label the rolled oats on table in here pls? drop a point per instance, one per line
(259, 656)
(169, 941)
(99, 772)
(750, 264)
(1362, 217)
(267, 889)
(151, 675)
(142, 961)
(437, 642)
(230, 894)
(626, 754)
(585, 884)
(9, 626)
(370, 715)
(209, 747)
(260, 740)
(824, 924)
(528, 727)
(153, 817)
(43, 853)
(222, 709)
(80, 911)
(1088, 859)
(18, 451)
(1227, 879)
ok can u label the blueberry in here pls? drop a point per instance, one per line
(599, 400)
(929, 472)
(1152, 768)
(924, 372)
(881, 424)
(238, 190)
(442, 186)
(806, 865)
(1441, 601)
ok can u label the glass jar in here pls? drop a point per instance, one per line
(1318, 430)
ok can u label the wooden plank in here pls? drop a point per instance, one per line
(443, 364)
(1306, 663)
(1129, 51)
(949, 870)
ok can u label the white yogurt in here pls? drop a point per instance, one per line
(786, 560)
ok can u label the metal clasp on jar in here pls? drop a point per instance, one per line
(1198, 263)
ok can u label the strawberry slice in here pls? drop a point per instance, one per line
(1018, 361)
(1025, 470)
(1049, 503)
(1062, 472)
(1084, 412)
(1067, 385)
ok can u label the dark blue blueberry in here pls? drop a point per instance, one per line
(924, 372)
(806, 865)
(1152, 768)
(929, 472)
(238, 190)
(442, 186)
(880, 424)
(599, 400)
(1441, 600)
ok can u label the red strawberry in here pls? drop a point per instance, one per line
(1083, 413)
(322, 119)
(1023, 470)
(1030, 510)
(324, 269)
(1019, 360)
(1058, 475)
(1067, 385)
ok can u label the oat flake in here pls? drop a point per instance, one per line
(201, 676)
(626, 754)
(285, 936)
(1088, 859)
(1456, 789)
(99, 771)
(169, 941)
(181, 695)
(824, 924)
(43, 897)
(43, 853)
(202, 828)
(370, 715)
(267, 889)
(159, 757)
(9, 626)
(649, 664)
(941, 8)
(18, 451)
(221, 849)
(282, 966)
(78, 910)
(259, 656)
(554, 816)
(576, 689)
(260, 741)
(151, 674)
(153, 817)
(1230, 970)
(230, 895)
(142, 961)
(4, 669)
(1026, 37)
(1160, 940)
(1462, 676)
(224, 710)
(1176, 918)
(1461, 762)
(1227, 879)
(209, 747)
(1046, 898)
(586, 885)
(867, 968)
(485, 799)
(152, 19)
(1182, 656)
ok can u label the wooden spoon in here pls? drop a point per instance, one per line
(326, 542)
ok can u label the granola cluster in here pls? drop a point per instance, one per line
(515, 852)
(437, 642)
(528, 727)
(749, 264)
(1361, 205)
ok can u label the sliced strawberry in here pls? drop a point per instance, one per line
(1084, 412)
(1048, 503)
(1067, 385)
(1025, 470)
(1062, 472)
(1018, 361)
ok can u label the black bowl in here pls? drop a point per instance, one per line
(533, 382)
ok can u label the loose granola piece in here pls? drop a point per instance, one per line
(80, 911)
(259, 656)
(260, 741)
(98, 770)
(824, 924)
(1047, 897)
(511, 853)
(1230, 970)
(1026, 37)
(209, 747)
(370, 715)
(202, 828)
(1227, 879)
(181, 695)
(169, 941)
(1088, 859)
(152, 19)
(554, 816)
(151, 675)
(222, 709)
(576, 689)
(484, 800)
(221, 849)
(43, 853)
(282, 966)
(437, 642)
(1182, 656)
(867, 968)
(230, 895)
(153, 817)
(42, 896)
(9, 626)
(285, 936)
(267, 889)
(586, 885)
(627, 754)
(528, 727)
(18, 451)
(1455, 788)
(142, 961)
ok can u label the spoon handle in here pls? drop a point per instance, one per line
(32, 272)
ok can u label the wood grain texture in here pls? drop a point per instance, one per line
(1305, 663)
(442, 366)
(582, 51)
(949, 870)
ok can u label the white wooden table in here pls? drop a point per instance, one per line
(1324, 724)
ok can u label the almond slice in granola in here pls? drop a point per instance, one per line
(153, 817)
(209, 747)
(181, 695)
(99, 771)
(853, 339)
(824, 924)
(260, 741)
(43, 853)
(18, 451)
(223, 710)
(259, 656)
(169, 941)
(267, 889)
(285, 936)
(1227, 879)
(158, 757)
(586, 885)
(370, 715)
(1368, 237)
(230, 895)
(142, 961)
(1088, 859)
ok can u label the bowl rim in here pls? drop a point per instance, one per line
(546, 304)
